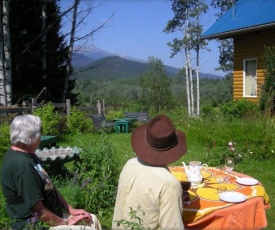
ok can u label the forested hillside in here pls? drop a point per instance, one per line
(118, 82)
(114, 67)
(126, 91)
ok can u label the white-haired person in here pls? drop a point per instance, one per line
(146, 183)
(32, 199)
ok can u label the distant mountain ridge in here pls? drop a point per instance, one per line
(100, 64)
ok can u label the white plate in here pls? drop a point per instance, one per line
(247, 181)
(233, 197)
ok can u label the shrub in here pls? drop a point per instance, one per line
(114, 114)
(219, 153)
(5, 221)
(267, 95)
(50, 119)
(239, 108)
(77, 121)
(4, 138)
(208, 112)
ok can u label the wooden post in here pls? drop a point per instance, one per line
(68, 106)
(27, 103)
(98, 107)
(103, 107)
(33, 104)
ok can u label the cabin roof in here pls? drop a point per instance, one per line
(245, 15)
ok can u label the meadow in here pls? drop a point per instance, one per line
(91, 182)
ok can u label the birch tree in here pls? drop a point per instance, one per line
(2, 79)
(7, 55)
(186, 19)
(188, 67)
(196, 31)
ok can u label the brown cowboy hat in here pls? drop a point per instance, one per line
(158, 143)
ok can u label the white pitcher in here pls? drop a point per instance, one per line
(194, 174)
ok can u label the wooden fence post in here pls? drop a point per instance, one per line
(103, 107)
(98, 107)
(33, 104)
(68, 106)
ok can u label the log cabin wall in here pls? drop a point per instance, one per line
(248, 46)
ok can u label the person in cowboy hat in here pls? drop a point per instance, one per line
(146, 184)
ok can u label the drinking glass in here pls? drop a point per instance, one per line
(219, 175)
(229, 165)
(185, 186)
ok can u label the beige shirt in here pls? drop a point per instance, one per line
(155, 191)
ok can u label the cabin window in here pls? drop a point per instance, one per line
(250, 78)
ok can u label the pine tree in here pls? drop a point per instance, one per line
(27, 53)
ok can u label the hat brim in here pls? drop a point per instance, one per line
(154, 157)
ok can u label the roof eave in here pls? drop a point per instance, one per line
(232, 33)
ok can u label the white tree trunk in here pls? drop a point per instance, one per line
(2, 78)
(198, 84)
(191, 82)
(187, 82)
(71, 45)
(197, 69)
(185, 34)
(7, 53)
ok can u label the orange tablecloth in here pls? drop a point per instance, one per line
(207, 211)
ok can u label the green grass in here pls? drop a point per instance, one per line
(262, 170)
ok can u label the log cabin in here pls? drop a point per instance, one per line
(251, 25)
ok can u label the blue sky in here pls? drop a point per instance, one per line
(136, 30)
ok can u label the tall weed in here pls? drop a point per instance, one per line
(96, 173)
(4, 219)
(4, 138)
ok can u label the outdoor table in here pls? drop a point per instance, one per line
(125, 119)
(123, 124)
(207, 211)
